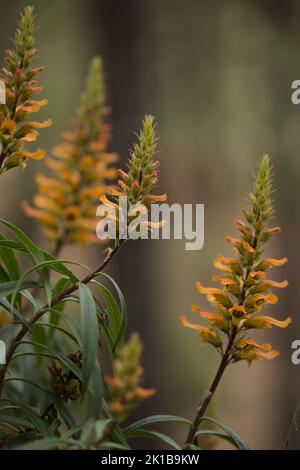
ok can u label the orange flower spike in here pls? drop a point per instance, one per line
(244, 291)
(80, 168)
(15, 129)
(142, 176)
(125, 384)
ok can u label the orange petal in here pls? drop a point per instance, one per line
(265, 321)
(38, 155)
(40, 125)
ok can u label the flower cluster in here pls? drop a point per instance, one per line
(19, 78)
(66, 203)
(245, 290)
(124, 386)
(141, 178)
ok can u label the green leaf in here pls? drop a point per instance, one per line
(48, 444)
(72, 325)
(60, 406)
(89, 329)
(113, 446)
(141, 424)
(117, 315)
(16, 421)
(4, 277)
(7, 306)
(6, 331)
(39, 424)
(211, 433)
(10, 261)
(93, 431)
(192, 447)
(96, 388)
(15, 246)
(59, 267)
(35, 253)
(36, 305)
(156, 435)
(235, 439)
(7, 288)
(59, 357)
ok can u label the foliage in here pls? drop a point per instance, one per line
(56, 391)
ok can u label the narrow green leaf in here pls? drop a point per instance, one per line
(157, 435)
(35, 252)
(48, 444)
(96, 388)
(40, 425)
(89, 328)
(218, 434)
(10, 261)
(117, 316)
(7, 306)
(7, 288)
(238, 442)
(141, 424)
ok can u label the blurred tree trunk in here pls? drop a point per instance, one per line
(118, 26)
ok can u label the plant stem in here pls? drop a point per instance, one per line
(204, 404)
(59, 298)
(223, 364)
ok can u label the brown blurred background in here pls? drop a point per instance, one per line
(217, 75)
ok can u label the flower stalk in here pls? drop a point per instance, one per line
(66, 202)
(244, 291)
(19, 78)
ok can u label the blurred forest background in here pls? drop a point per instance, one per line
(217, 75)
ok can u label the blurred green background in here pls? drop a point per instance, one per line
(217, 75)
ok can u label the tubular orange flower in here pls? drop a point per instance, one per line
(249, 350)
(245, 291)
(208, 335)
(266, 322)
(217, 319)
(20, 83)
(66, 204)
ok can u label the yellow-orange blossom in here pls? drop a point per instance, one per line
(245, 290)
